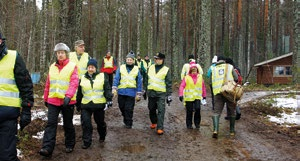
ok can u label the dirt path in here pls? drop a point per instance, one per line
(253, 140)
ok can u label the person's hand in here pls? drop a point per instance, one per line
(114, 91)
(46, 104)
(180, 98)
(25, 117)
(78, 107)
(66, 101)
(138, 96)
(109, 103)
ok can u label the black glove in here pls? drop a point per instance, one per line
(78, 107)
(109, 103)
(66, 101)
(25, 116)
(145, 95)
(46, 104)
(180, 98)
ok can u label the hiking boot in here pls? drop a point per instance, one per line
(197, 126)
(128, 126)
(160, 132)
(190, 127)
(84, 146)
(153, 126)
(45, 153)
(69, 150)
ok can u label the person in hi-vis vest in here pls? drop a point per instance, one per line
(158, 85)
(94, 93)
(16, 99)
(60, 96)
(109, 66)
(219, 74)
(128, 84)
(192, 91)
(80, 58)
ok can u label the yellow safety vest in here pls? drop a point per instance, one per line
(95, 94)
(108, 63)
(128, 80)
(146, 66)
(139, 63)
(81, 64)
(156, 81)
(60, 80)
(193, 91)
(218, 75)
(9, 92)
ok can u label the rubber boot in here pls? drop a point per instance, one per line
(215, 119)
(238, 113)
(232, 122)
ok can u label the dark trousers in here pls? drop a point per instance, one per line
(190, 106)
(126, 105)
(110, 79)
(220, 101)
(51, 128)
(87, 127)
(157, 103)
(8, 140)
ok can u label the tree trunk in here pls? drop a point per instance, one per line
(296, 54)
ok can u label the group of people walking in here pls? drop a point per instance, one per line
(75, 82)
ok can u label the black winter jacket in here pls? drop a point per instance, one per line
(107, 92)
(24, 84)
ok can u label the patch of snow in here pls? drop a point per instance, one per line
(294, 117)
(42, 114)
(39, 135)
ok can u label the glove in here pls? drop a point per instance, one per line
(114, 91)
(169, 100)
(78, 107)
(46, 104)
(203, 102)
(180, 98)
(145, 95)
(25, 116)
(108, 105)
(66, 101)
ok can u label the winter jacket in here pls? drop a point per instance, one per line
(24, 84)
(107, 91)
(128, 91)
(183, 84)
(168, 81)
(74, 81)
(108, 70)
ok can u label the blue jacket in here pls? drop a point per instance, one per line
(128, 91)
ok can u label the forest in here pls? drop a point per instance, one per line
(248, 31)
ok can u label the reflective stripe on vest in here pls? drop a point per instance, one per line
(156, 81)
(128, 80)
(95, 94)
(108, 63)
(60, 80)
(81, 64)
(9, 92)
(218, 74)
(193, 91)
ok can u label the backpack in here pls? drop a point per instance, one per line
(240, 78)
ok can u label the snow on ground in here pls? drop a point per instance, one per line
(292, 118)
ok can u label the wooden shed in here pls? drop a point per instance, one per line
(275, 71)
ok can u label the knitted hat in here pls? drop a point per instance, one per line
(92, 62)
(130, 55)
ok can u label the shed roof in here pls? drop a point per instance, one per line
(274, 59)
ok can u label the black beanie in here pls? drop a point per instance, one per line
(191, 56)
(92, 62)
